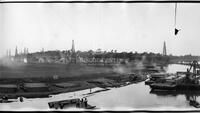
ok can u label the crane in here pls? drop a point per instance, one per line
(194, 76)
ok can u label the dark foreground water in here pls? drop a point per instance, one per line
(132, 97)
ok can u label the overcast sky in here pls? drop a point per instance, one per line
(125, 27)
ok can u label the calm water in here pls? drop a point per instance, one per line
(173, 68)
(138, 97)
(131, 97)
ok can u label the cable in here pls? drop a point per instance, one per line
(175, 15)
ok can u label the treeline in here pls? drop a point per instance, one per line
(183, 58)
(129, 56)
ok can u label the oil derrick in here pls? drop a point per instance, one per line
(26, 50)
(164, 49)
(73, 53)
(6, 53)
(9, 54)
(16, 52)
(42, 50)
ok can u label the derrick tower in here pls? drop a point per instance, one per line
(164, 49)
(73, 53)
(16, 52)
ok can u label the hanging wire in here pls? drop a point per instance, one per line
(176, 30)
(175, 15)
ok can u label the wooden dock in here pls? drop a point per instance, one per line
(78, 103)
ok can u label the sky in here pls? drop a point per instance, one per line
(141, 27)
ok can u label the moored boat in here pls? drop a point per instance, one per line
(188, 81)
(163, 86)
(156, 77)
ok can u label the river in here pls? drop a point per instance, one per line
(131, 97)
(138, 97)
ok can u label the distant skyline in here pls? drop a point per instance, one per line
(141, 27)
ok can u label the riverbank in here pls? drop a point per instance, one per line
(36, 89)
(42, 80)
(130, 97)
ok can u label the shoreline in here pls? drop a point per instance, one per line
(105, 84)
(42, 80)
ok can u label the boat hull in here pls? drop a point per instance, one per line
(148, 82)
(163, 87)
(156, 86)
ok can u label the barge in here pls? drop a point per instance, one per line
(156, 77)
(189, 81)
(8, 88)
(76, 102)
(163, 86)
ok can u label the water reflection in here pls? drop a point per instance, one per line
(191, 97)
